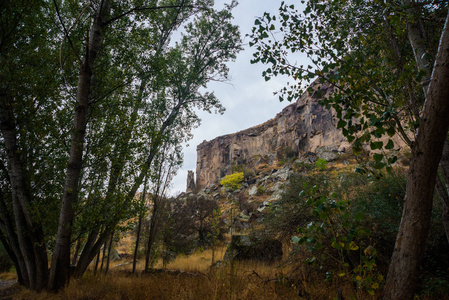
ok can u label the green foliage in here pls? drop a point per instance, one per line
(233, 181)
(321, 164)
(291, 212)
(335, 239)
(338, 212)
(147, 87)
(363, 51)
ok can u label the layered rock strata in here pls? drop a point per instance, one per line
(299, 128)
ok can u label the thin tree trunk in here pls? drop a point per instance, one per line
(152, 234)
(83, 261)
(14, 243)
(417, 38)
(109, 254)
(29, 234)
(97, 262)
(136, 249)
(77, 250)
(87, 256)
(426, 154)
(60, 266)
(103, 257)
(139, 228)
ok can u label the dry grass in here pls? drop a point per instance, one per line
(11, 275)
(199, 261)
(226, 282)
(191, 277)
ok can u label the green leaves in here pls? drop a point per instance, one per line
(332, 236)
(359, 49)
(144, 97)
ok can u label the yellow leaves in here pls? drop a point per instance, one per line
(232, 181)
(353, 246)
(369, 250)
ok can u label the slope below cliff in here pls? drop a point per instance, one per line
(299, 128)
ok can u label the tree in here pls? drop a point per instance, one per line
(27, 89)
(192, 223)
(109, 69)
(379, 59)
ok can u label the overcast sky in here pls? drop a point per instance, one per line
(248, 99)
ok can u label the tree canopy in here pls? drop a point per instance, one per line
(91, 91)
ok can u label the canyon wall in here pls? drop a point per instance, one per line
(299, 128)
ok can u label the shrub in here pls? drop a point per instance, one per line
(336, 242)
(321, 164)
(291, 212)
(247, 173)
(233, 181)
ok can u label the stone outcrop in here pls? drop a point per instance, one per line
(299, 128)
(190, 182)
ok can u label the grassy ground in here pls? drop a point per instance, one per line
(191, 277)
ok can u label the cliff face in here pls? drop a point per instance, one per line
(299, 128)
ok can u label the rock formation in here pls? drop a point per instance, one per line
(190, 182)
(299, 128)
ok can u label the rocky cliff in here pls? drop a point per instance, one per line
(299, 128)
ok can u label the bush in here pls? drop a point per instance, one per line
(233, 181)
(336, 242)
(247, 173)
(348, 224)
(321, 164)
(291, 211)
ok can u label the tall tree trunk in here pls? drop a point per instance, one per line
(152, 235)
(96, 263)
(109, 254)
(139, 228)
(83, 262)
(29, 233)
(103, 256)
(136, 248)
(418, 41)
(60, 266)
(87, 256)
(426, 155)
(14, 243)
(77, 250)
